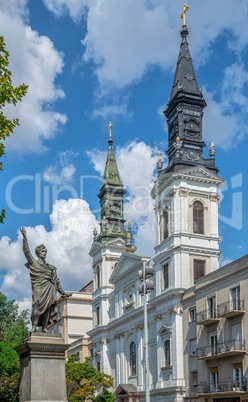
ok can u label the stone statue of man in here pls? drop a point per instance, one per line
(45, 283)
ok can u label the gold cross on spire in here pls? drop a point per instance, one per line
(183, 15)
(110, 129)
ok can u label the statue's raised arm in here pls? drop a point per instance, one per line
(26, 249)
(45, 284)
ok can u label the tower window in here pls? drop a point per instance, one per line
(98, 277)
(199, 269)
(198, 217)
(164, 225)
(166, 276)
(132, 359)
(167, 354)
(97, 315)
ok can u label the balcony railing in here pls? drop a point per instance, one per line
(207, 317)
(228, 348)
(226, 386)
(231, 308)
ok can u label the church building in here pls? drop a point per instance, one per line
(196, 311)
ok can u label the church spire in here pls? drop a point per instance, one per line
(185, 111)
(111, 199)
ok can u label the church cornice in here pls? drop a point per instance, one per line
(196, 175)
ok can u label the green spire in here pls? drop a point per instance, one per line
(111, 173)
(111, 199)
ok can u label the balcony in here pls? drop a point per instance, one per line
(231, 308)
(225, 349)
(207, 317)
(225, 387)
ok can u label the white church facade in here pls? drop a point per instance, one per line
(196, 314)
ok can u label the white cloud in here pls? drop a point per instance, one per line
(34, 61)
(68, 243)
(75, 8)
(226, 118)
(123, 45)
(62, 172)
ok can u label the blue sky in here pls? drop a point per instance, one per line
(88, 62)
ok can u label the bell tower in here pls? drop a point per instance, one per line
(107, 247)
(186, 190)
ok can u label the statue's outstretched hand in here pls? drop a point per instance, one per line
(23, 232)
(66, 294)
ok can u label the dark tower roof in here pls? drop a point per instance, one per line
(184, 113)
(185, 81)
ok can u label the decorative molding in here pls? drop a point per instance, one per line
(176, 310)
(109, 258)
(165, 330)
(119, 335)
(214, 198)
(104, 341)
(158, 317)
(183, 193)
(139, 327)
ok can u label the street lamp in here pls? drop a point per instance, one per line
(145, 287)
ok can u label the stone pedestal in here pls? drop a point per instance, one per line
(42, 357)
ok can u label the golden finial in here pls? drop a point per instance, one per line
(183, 15)
(159, 158)
(212, 145)
(178, 139)
(128, 234)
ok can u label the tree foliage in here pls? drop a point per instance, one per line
(8, 94)
(83, 381)
(9, 388)
(13, 328)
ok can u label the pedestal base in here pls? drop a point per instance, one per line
(42, 358)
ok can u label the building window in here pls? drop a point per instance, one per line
(214, 377)
(213, 342)
(192, 314)
(98, 366)
(235, 298)
(199, 269)
(166, 276)
(133, 359)
(194, 379)
(98, 277)
(238, 375)
(198, 217)
(97, 315)
(167, 354)
(211, 301)
(193, 347)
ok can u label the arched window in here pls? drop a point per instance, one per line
(198, 217)
(132, 359)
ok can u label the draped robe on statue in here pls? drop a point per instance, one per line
(45, 283)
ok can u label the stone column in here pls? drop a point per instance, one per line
(42, 358)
